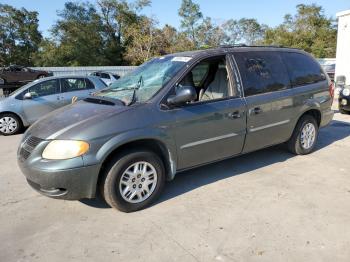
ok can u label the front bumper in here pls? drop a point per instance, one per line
(69, 184)
(344, 102)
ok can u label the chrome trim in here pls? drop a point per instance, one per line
(208, 140)
(270, 125)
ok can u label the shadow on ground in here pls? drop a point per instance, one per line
(195, 178)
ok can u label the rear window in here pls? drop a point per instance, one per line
(262, 72)
(303, 69)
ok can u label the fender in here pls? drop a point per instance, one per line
(160, 135)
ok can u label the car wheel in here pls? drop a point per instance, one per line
(133, 180)
(10, 124)
(304, 136)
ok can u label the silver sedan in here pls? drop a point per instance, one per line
(34, 100)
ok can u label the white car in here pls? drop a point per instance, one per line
(106, 77)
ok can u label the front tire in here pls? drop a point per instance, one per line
(10, 124)
(133, 180)
(344, 112)
(304, 136)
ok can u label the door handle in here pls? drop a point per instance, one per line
(256, 110)
(234, 115)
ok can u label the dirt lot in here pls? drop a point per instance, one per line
(265, 206)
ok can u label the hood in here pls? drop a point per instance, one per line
(73, 118)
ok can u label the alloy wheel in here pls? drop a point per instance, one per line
(138, 182)
(308, 136)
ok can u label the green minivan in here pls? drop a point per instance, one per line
(174, 113)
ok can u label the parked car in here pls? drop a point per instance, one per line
(34, 100)
(15, 76)
(344, 100)
(330, 70)
(172, 114)
(106, 77)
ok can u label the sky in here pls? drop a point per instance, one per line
(270, 12)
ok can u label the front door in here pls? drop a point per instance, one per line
(214, 126)
(45, 97)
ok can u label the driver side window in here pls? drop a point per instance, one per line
(210, 78)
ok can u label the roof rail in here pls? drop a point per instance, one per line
(244, 45)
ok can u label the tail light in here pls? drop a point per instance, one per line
(331, 90)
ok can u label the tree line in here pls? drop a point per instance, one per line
(115, 32)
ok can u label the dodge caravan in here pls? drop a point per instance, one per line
(174, 113)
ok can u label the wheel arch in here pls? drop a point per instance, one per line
(155, 145)
(16, 114)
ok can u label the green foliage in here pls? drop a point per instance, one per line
(114, 32)
(191, 15)
(19, 35)
(309, 30)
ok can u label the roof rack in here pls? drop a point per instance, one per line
(244, 45)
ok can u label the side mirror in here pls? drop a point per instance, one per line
(184, 94)
(28, 96)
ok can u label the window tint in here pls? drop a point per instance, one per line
(74, 84)
(89, 84)
(262, 72)
(106, 76)
(303, 69)
(199, 73)
(46, 88)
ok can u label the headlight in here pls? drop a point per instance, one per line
(346, 92)
(65, 149)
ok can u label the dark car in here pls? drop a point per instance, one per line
(15, 76)
(344, 100)
(175, 113)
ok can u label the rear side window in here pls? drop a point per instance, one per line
(262, 72)
(303, 69)
(75, 84)
(106, 76)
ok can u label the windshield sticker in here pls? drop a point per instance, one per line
(183, 59)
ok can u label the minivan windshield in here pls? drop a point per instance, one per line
(144, 82)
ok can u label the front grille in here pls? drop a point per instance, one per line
(28, 146)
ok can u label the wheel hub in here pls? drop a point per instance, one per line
(308, 136)
(138, 182)
(7, 125)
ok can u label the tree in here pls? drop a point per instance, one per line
(19, 35)
(209, 34)
(77, 37)
(144, 41)
(117, 17)
(309, 30)
(191, 15)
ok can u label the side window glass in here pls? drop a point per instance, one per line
(46, 88)
(73, 84)
(89, 84)
(106, 76)
(210, 78)
(262, 72)
(199, 73)
(302, 69)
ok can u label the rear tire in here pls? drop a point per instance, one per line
(10, 124)
(304, 136)
(133, 180)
